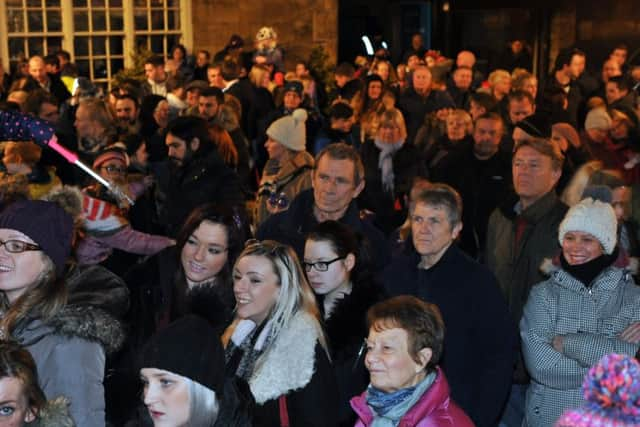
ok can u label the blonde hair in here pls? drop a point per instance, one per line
(295, 293)
(591, 173)
(465, 117)
(393, 116)
(497, 76)
(257, 74)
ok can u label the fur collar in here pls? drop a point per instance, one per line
(54, 414)
(623, 261)
(289, 363)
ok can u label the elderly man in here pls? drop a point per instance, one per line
(477, 318)
(337, 180)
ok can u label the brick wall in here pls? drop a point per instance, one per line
(300, 24)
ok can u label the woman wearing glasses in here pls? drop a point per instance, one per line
(68, 339)
(276, 343)
(339, 276)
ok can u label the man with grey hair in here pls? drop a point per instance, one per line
(434, 269)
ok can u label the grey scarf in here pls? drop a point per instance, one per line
(385, 162)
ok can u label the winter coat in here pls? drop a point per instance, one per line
(291, 178)
(297, 367)
(434, 409)
(70, 349)
(291, 227)
(415, 106)
(517, 268)
(390, 209)
(482, 185)
(590, 321)
(477, 322)
(54, 414)
(202, 180)
(346, 330)
(159, 297)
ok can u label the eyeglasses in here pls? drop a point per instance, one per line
(320, 265)
(18, 246)
(115, 169)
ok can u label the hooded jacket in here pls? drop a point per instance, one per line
(70, 349)
(590, 320)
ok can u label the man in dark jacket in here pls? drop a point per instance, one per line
(420, 99)
(49, 82)
(337, 180)
(195, 174)
(523, 232)
(478, 346)
(482, 176)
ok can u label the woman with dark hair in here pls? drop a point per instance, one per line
(369, 104)
(407, 388)
(192, 276)
(23, 401)
(338, 272)
(184, 68)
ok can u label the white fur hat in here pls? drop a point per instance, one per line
(290, 131)
(593, 217)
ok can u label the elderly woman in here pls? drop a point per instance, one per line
(390, 166)
(407, 386)
(459, 127)
(587, 308)
(277, 344)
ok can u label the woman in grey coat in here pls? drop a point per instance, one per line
(68, 325)
(588, 307)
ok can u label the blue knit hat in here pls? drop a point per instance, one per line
(612, 391)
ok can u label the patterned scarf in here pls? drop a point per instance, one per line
(385, 162)
(389, 408)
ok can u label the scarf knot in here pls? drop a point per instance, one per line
(385, 162)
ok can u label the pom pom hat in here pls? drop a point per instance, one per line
(290, 131)
(612, 391)
(593, 217)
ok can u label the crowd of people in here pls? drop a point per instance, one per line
(232, 243)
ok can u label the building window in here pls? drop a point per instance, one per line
(99, 34)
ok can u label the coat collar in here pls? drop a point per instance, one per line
(288, 364)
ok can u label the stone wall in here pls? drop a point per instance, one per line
(300, 24)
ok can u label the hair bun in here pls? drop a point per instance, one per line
(614, 384)
(299, 115)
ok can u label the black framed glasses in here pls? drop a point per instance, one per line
(18, 246)
(320, 265)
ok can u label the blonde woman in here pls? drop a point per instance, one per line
(276, 343)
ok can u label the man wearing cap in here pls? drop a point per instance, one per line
(522, 232)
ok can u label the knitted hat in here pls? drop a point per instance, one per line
(593, 217)
(612, 391)
(188, 347)
(235, 42)
(46, 223)
(290, 131)
(568, 132)
(110, 153)
(293, 86)
(598, 118)
(266, 33)
(537, 125)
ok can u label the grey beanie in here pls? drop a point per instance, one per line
(290, 131)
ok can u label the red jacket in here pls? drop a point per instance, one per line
(434, 409)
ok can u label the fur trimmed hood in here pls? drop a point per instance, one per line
(55, 414)
(623, 261)
(289, 363)
(96, 303)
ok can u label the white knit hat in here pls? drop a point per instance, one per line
(290, 131)
(593, 217)
(598, 118)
